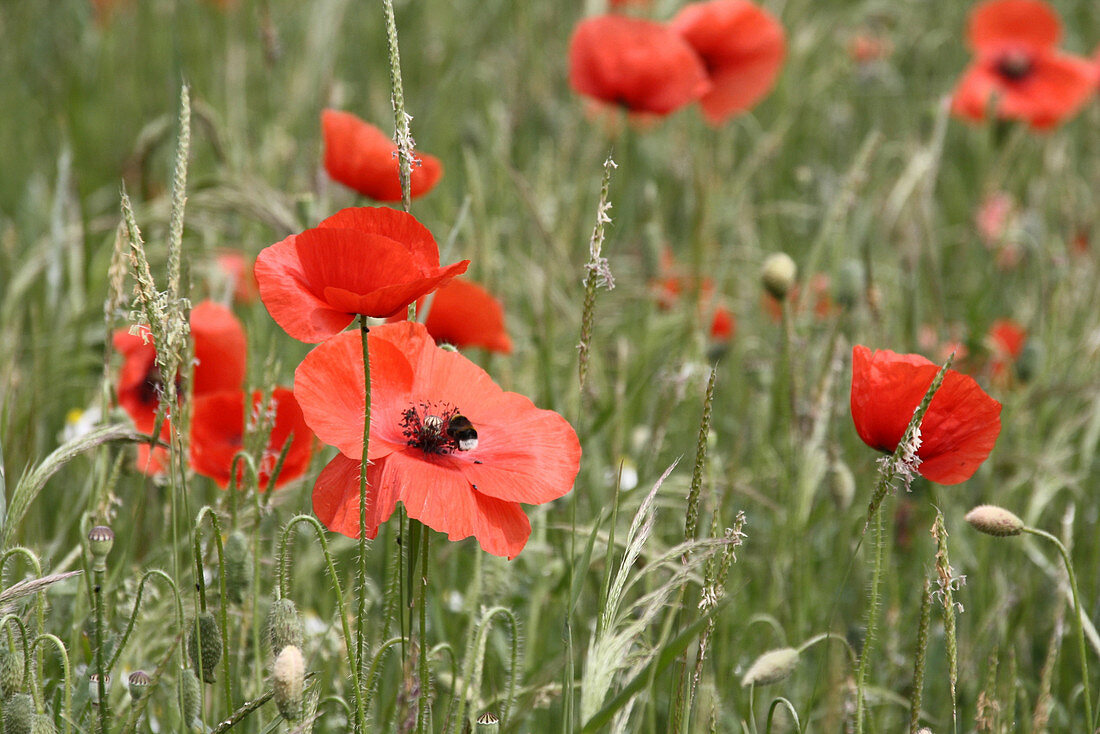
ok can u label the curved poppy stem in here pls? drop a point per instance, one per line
(361, 584)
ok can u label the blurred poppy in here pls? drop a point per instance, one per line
(673, 283)
(958, 431)
(866, 47)
(218, 429)
(820, 293)
(464, 314)
(457, 451)
(742, 46)
(362, 260)
(363, 158)
(237, 273)
(1006, 341)
(220, 349)
(1017, 69)
(637, 64)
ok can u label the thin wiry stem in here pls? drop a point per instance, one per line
(361, 585)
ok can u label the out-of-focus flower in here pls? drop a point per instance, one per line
(464, 314)
(673, 284)
(238, 274)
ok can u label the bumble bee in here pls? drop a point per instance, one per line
(462, 432)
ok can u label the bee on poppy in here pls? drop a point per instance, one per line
(462, 432)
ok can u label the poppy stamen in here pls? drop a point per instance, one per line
(1014, 65)
(437, 428)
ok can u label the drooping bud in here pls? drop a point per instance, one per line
(19, 714)
(288, 681)
(43, 724)
(138, 684)
(488, 723)
(192, 696)
(778, 274)
(771, 667)
(993, 520)
(12, 665)
(284, 626)
(238, 567)
(205, 638)
(100, 541)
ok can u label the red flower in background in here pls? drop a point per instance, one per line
(742, 47)
(421, 454)
(363, 158)
(239, 275)
(1006, 340)
(465, 315)
(1017, 68)
(218, 428)
(673, 283)
(220, 349)
(958, 431)
(635, 63)
(361, 260)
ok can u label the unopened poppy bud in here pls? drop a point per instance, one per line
(1030, 361)
(488, 723)
(849, 283)
(11, 666)
(19, 714)
(288, 681)
(205, 638)
(993, 520)
(192, 697)
(238, 567)
(138, 683)
(284, 626)
(771, 667)
(100, 540)
(43, 724)
(778, 274)
(93, 687)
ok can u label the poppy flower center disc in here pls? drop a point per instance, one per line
(437, 428)
(1014, 65)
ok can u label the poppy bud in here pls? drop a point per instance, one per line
(1030, 361)
(238, 567)
(192, 697)
(284, 626)
(18, 714)
(771, 667)
(205, 638)
(93, 687)
(288, 681)
(11, 667)
(849, 283)
(138, 684)
(993, 520)
(100, 540)
(488, 723)
(778, 274)
(42, 724)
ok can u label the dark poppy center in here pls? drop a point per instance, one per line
(437, 428)
(153, 385)
(1014, 65)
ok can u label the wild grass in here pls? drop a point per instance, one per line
(849, 168)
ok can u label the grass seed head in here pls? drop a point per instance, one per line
(771, 667)
(996, 521)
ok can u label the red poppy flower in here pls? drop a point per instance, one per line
(1006, 340)
(959, 429)
(234, 267)
(362, 157)
(1017, 68)
(723, 325)
(460, 477)
(220, 349)
(465, 315)
(673, 283)
(638, 64)
(218, 428)
(363, 260)
(742, 46)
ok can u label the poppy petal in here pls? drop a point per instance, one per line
(221, 348)
(1030, 24)
(397, 225)
(288, 298)
(391, 299)
(363, 158)
(464, 314)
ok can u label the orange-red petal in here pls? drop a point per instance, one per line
(742, 46)
(638, 64)
(1027, 24)
(959, 429)
(464, 314)
(363, 158)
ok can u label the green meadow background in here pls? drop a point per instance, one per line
(854, 169)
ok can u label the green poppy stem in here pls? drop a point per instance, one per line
(361, 586)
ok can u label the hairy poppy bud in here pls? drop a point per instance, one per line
(138, 684)
(19, 714)
(488, 723)
(192, 696)
(11, 666)
(1030, 361)
(93, 687)
(100, 541)
(778, 274)
(205, 638)
(238, 567)
(284, 626)
(993, 520)
(771, 667)
(288, 681)
(43, 724)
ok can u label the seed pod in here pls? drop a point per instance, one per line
(488, 723)
(138, 684)
(18, 714)
(12, 666)
(284, 626)
(93, 687)
(100, 541)
(238, 567)
(205, 636)
(288, 676)
(771, 667)
(43, 724)
(192, 697)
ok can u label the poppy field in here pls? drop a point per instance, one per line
(618, 366)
